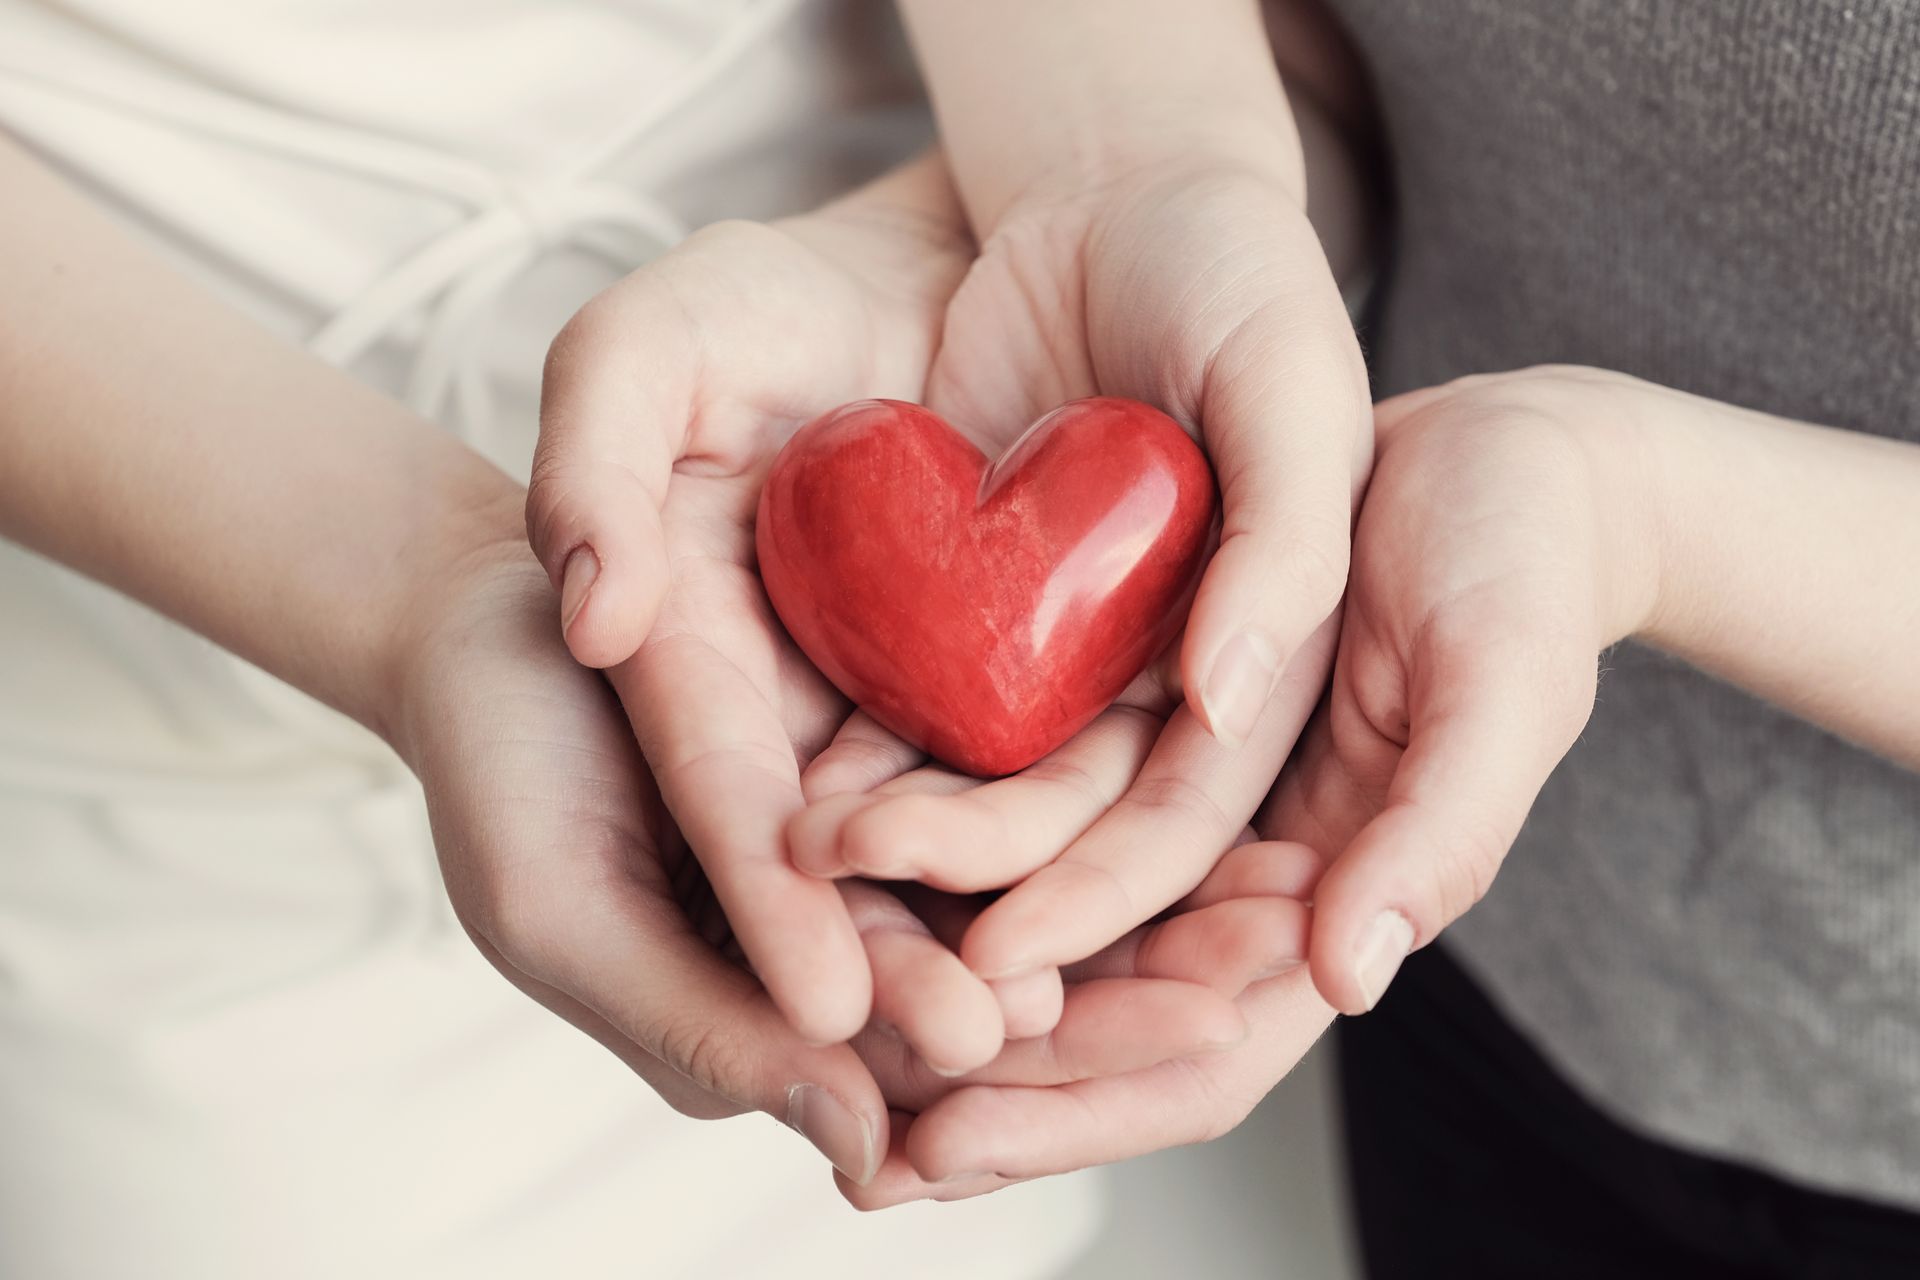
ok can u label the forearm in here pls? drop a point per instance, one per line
(1789, 563)
(157, 440)
(1056, 95)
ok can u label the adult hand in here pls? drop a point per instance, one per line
(565, 869)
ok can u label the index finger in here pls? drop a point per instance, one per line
(726, 770)
(1186, 809)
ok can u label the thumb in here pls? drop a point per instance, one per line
(613, 413)
(1286, 419)
(700, 1029)
(1480, 748)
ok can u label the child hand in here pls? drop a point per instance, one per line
(1504, 542)
(1196, 285)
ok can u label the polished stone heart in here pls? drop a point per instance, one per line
(985, 612)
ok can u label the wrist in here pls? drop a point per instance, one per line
(1635, 442)
(1149, 153)
(1685, 447)
(474, 535)
(1040, 102)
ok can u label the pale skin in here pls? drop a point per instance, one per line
(1388, 807)
(1043, 831)
(1517, 525)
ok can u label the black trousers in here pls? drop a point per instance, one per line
(1469, 1156)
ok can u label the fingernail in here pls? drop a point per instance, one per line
(842, 1137)
(1384, 944)
(1237, 690)
(576, 579)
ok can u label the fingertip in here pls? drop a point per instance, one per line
(1263, 594)
(1331, 944)
(1260, 869)
(863, 755)
(608, 604)
(1062, 913)
(965, 1045)
(831, 775)
(949, 1017)
(941, 1147)
(1233, 693)
(1225, 1027)
(897, 1183)
(826, 1012)
(996, 959)
(824, 1027)
(814, 835)
(1229, 945)
(1197, 1016)
(888, 839)
(1353, 976)
(852, 1133)
(1356, 947)
(1031, 1004)
(1397, 884)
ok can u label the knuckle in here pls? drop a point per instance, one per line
(527, 912)
(1214, 1114)
(1569, 702)
(1315, 565)
(576, 346)
(1064, 1057)
(1179, 800)
(563, 351)
(705, 1053)
(519, 920)
(1078, 782)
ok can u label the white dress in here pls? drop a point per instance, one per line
(240, 1033)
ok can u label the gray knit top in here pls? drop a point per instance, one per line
(1712, 921)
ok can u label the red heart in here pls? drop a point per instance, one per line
(985, 613)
